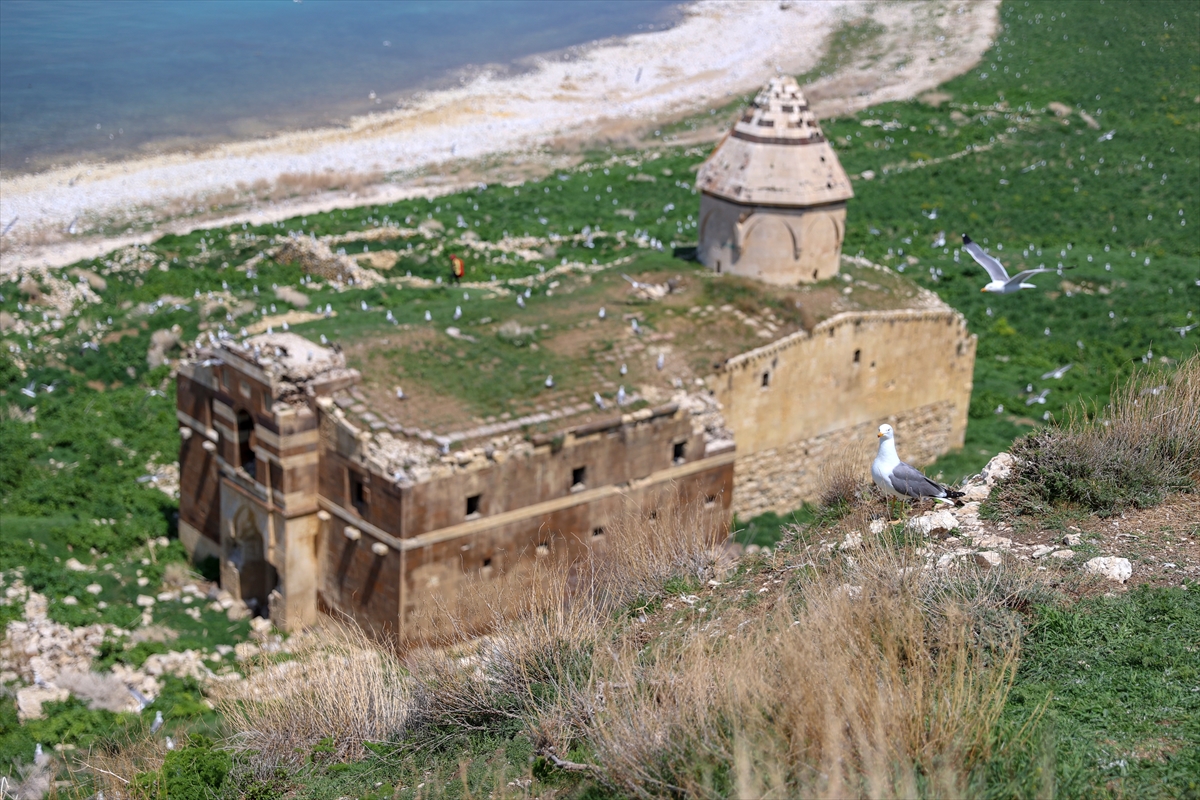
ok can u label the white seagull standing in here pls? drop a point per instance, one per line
(898, 479)
(1000, 283)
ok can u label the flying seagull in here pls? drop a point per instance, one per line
(1183, 332)
(898, 479)
(1057, 373)
(1000, 283)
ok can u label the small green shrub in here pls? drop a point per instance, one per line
(194, 772)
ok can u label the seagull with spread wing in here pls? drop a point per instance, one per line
(898, 479)
(1000, 283)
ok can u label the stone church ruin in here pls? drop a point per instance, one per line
(323, 488)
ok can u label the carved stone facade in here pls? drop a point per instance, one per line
(307, 511)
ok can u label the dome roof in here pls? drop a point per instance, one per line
(776, 154)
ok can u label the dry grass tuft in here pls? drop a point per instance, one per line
(340, 690)
(842, 483)
(838, 690)
(1142, 446)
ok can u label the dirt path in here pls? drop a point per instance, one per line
(502, 130)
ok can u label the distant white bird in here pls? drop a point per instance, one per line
(1038, 398)
(428, 316)
(624, 369)
(622, 399)
(898, 479)
(170, 743)
(1107, 136)
(602, 312)
(1056, 373)
(30, 390)
(466, 296)
(457, 312)
(520, 301)
(549, 381)
(634, 326)
(930, 215)
(38, 755)
(1183, 332)
(1000, 283)
(158, 722)
(599, 400)
(399, 393)
(528, 293)
(323, 339)
(940, 241)
(660, 362)
(363, 304)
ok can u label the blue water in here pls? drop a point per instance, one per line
(91, 79)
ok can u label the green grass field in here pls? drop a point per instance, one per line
(1121, 211)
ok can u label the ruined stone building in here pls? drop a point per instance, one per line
(773, 194)
(324, 489)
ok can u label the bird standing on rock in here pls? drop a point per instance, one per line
(898, 479)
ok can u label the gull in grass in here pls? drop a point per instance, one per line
(1000, 283)
(1057, 373)
(898, 479)
(549, 381)
(599, 400)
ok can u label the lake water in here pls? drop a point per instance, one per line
(89, 79)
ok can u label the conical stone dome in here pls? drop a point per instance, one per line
(774, 193)
(776, 154)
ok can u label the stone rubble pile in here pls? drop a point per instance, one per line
(316, 258)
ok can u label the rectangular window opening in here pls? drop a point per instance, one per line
(360, 494)
(597, 532)
(487, 563)
(857, 356)
(473, 506)
(578, 477)
(766, 380)
(678, 452)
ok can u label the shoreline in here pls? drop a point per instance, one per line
(613, 90)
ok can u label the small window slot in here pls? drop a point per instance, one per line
(360, 494)
(679, 452)
(578, 478)
(766, 380)
(857, 356)
(598, 531)
(473, 506)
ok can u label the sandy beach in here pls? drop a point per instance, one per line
(613, 90)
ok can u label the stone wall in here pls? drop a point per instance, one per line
(781, 478)
(794, 403)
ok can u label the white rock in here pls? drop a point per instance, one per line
(145, 600)
(852, 540)
(975, 492)
(935, 523)
(1112, 567)
(1072, 539)
(998, 469)
(877, 526)
(994, 542)
(851, 591)
(70, 600)
(30, 699)
(94, 588)
(1042, 550)
(1063, 554)
(74, 565)
(987, 559)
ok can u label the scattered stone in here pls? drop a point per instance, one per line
(853, 540)
(934, 524)
(1113, 568)
(145, 600)
(998, 469)
(1042, 550)
(94, 588)
(74, 565)
(994, 542)
(1063, 554)
(877, 526)
(850, 591)
(30, 699)
(988, 559)
(1073, 539)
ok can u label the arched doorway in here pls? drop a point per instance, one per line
(248, 574)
